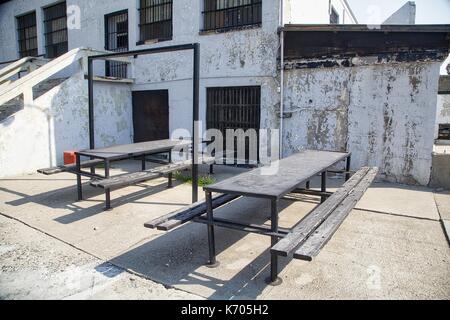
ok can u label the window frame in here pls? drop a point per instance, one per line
(29, 51)
(47, 32)
(334, 12)
(211, 13)
(156, 38)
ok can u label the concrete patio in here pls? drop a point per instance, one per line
(392, 246)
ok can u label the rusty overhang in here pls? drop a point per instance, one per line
(407, 43)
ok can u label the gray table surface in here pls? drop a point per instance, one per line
(293, 170)
(133, 149)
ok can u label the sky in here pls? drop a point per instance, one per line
(376, 11)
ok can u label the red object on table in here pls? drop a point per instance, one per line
(69, 157)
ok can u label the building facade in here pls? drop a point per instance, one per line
(325, 106)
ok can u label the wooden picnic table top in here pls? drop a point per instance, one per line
(292, 171)
(133, 149)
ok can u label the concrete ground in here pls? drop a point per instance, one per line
(392, 246)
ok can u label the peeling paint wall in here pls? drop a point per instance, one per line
(236, 58)
(37, 136)
(382, 113)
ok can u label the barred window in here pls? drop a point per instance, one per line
(334, 16)
(234, 108)
(27, 35)
(228, 14)
(55, 24)
(155, 20)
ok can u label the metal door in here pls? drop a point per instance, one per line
(151, 115)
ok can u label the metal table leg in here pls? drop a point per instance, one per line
(169, 183)
(212, 263)
(347, 168)
(323, 186)
(107, 191)
(144, 163)
(79, 185)
(274, 280)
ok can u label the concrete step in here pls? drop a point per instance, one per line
(45, 86)
(11, 107)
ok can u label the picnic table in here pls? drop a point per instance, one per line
(122, 152)
(293, 172)
(292, 175)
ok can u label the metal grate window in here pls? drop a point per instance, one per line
(55, 24)
(334, 16)
(234, 108)
(116, 39)
(26, 29)
(228, 14)
(155, 20)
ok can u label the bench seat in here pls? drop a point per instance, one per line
(314, 231)
(136, 177)
(69, 167)
(320, 237)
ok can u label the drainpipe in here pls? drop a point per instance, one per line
(281, 80)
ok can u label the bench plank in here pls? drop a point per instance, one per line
(69, 167)
(187, 214)
(311, 247)
(125, 179)
(310, 223)
(177, 166)
(136, 177)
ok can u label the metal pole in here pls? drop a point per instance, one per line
(281, 79)
(91, 107)
(195, 119)
(91, 103)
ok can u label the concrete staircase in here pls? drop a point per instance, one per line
(45, 111)
(15, 105)
(11, 107)
(43, 87)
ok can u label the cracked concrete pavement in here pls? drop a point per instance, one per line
(392, 246)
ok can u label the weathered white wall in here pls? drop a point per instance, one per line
(384, 114)
(37, 136)
(316, 12)
(235, 58)
(443, 111)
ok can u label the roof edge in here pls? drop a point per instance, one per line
(438, 28)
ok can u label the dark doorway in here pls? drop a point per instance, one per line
(234, 108)
(151, 115)
(116, 39)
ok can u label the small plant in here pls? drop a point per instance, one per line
(203, 180)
